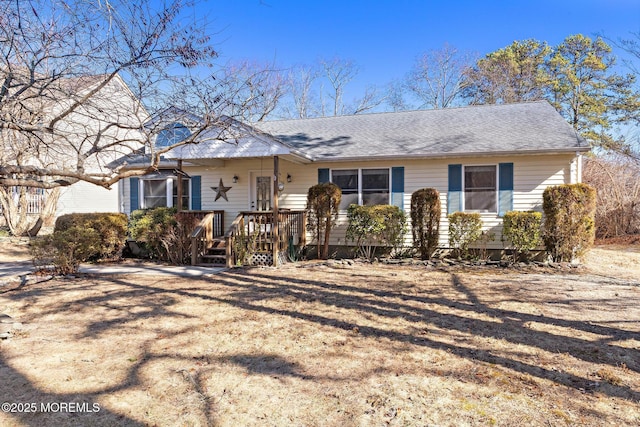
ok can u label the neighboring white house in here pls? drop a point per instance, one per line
(110, 123)
(487, 159)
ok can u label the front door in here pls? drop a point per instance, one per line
(261, 193)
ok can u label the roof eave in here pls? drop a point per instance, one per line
(569, 150)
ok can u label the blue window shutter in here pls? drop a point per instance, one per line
(134, 191)
(505, 188)
(454, 197)
(397, 186)
(196, 193)
(323, 176)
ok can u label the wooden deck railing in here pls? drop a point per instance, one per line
(210, 226)
(252, 231)
(293, 226)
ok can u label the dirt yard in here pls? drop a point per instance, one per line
(312, 344)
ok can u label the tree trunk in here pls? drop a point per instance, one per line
(15, 210)
(327, 230)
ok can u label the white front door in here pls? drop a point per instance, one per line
(261, 192)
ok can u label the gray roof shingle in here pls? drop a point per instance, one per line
(488, 129)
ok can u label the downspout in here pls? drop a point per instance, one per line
(579, 167)
(121, 195)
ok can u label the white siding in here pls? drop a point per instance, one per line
(83, 197)
(532, 174)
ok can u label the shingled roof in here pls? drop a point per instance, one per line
(532, 127)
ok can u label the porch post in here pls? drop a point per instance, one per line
(179, 185)
(276, 216)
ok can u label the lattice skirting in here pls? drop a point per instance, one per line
(266, 258)
(262, 258)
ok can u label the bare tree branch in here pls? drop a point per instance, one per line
(85, 85)
(437, 77)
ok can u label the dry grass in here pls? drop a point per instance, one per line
(14, 249)
(311, 344)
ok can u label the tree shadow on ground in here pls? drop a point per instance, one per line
(17, 388)
(511, 325)
(252, 291)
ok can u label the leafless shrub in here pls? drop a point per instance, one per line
(618, 203)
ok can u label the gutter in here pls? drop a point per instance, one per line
(572, 150)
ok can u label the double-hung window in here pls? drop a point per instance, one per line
(154, 193)
(480, 188)
(362, 186)
(162, 191)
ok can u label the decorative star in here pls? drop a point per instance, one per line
(221, 191)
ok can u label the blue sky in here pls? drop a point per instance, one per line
(384, 37)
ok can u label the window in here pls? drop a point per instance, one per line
(172, 134)
(155, 193)
(480, 188)
(362, 186)
(185, 193)
(347, 180)
(375, 186)
(162, 191)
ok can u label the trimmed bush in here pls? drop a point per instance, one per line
(464, 229)
(569, 226)
(323, 202)
(523, 230)
(425, 220)
(110, 227)
(164, 233)
(150, 227)
(374, 226)
(65, 249)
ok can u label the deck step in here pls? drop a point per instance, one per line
(219, 243)
(214, 257)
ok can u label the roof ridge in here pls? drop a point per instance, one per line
(426, 110)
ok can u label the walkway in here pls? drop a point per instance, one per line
(14, 270)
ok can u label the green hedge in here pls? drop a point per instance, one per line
(150, 227)
(425, 220)
(569, 226)
(111, 229)
(374, 226)
(464, 229)
(523, 230)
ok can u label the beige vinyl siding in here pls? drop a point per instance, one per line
(532, 174)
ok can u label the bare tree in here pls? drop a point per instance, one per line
(618, 208)
(259, 88)
(339, 72)
(396, 98)
(301, 80)
(437, 77)
(370, 100)
(80, 81)
(319, 91)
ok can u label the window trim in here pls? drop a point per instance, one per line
(169, 181)
(360, 181)
(496, 206)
